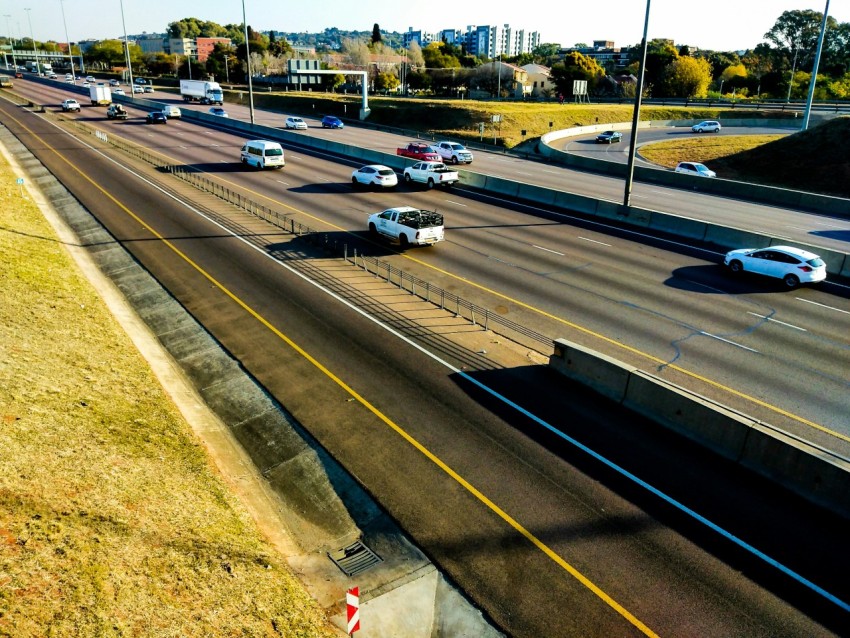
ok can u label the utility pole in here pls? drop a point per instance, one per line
(9, 29)
(70, 55)
(627, 197)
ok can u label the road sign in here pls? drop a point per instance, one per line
(352, 603)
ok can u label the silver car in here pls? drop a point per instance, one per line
(709, 126)
(695, 168)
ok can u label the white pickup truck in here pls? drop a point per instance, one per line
(408, 226)
(431, 174)
(454, 152)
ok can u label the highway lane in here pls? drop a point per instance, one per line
(795, 225)
(694, 325)
(657, 564)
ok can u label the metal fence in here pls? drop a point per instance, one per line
(476, 315)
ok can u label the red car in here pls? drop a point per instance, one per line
(419, 151)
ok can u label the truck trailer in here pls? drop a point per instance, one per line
(201, 91)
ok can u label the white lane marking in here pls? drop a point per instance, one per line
(798, 228)
(815, 303)
(280, 181)
(551, 172)
(594, 241)
(451, 201)
(181, 146)
(215, 145)
(524, 173)
(545, 424)
(548, 250)
(731, 343)
(755, 314)
(828, 225)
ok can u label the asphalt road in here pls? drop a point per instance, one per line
(668, 573)
(663, 307)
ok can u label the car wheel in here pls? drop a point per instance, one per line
(736, 266)
(403, 241)
(354, 182)
(455, 160)
(372, 230)
(792, 281)
(407, 178)
(430, 183)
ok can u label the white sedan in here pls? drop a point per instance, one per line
(374, 175)
(296, 123)
(792, 265)
(695, 168)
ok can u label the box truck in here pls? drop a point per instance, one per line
(202, 91)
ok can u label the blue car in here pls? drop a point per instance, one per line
(329, 121)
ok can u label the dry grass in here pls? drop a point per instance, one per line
(113, 522)
(702, 149)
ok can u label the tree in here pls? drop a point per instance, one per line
(386, 82)
(106, 53)
(376, 34)
(659, 54)
(686, 77)
(545, 51)
(194, 28)
(576, 67)
(439, 55)
(795, 36)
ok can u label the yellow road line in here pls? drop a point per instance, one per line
(362, 400)
(741, 395)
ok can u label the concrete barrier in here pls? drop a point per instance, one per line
(678, 226)
(812, 472)
(604, 374)
(727, 238)
(809, 471)
(707, 422)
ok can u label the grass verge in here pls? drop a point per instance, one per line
(113, 520)
(702, 149)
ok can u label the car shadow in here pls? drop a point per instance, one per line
(715, 279)
(839, 235)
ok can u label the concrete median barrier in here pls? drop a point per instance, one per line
(812, 472)
(678, 226)
(605, 375)
(708, 423)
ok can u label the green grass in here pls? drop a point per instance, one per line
(702, 149)
(113, 520)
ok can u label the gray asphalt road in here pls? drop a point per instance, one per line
(656, 571)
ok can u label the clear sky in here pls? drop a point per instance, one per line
(722, 25)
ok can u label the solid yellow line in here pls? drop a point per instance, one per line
(587, 331)
(353, 393)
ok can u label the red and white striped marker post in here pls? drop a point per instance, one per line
(352, 602)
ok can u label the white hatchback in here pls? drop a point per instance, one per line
(709, 126)
(792, 265)
(296, 123)
(374, 175)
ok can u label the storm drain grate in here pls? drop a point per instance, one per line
(355, 558)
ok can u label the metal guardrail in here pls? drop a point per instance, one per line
(445, 300)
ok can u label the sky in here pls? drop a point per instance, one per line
(721, 25)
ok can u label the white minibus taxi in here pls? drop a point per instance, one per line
(263, 154)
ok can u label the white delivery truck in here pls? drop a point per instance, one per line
(201, 91)
(100, 94)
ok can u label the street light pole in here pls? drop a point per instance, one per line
(627, 196)
(127, 52)
(248, 62)
(34, 49)
(9, 29)
(811, 95)
(70, 55)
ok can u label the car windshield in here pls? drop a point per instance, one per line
(458, 147)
